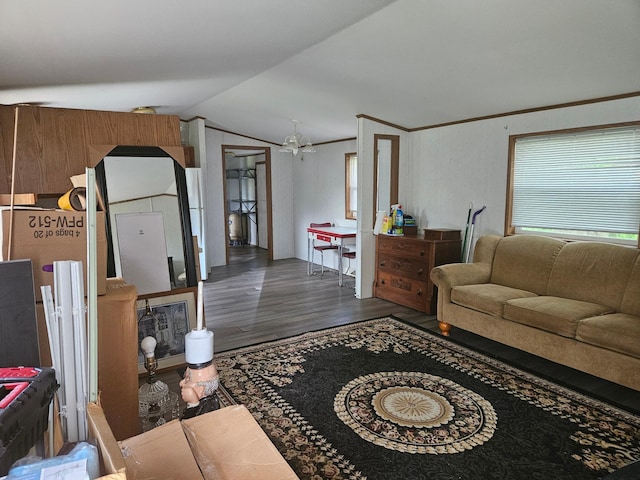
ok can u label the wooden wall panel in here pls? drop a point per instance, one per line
(101, 128)
(117, 128)
(54, 143)
(64, 153)
(29, 151)
(6, 147)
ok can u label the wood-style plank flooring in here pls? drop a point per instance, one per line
(253, 300)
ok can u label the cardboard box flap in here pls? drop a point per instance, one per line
(230, 445)
(226, 444)
(160, 453)
(110, 455)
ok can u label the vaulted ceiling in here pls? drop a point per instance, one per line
(252, 66)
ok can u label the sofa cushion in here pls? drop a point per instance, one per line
(525, 261)
(631, 299)
(554, 314)
(592, 272)
(617, 331)
(486, 297)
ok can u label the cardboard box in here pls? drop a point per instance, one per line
(117, 373)
(226, 444)
(44, 236)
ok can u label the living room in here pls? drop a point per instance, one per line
(454, 120)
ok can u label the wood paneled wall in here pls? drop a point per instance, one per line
(53, 144)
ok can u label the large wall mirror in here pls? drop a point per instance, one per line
(150, 244)
(386, 168)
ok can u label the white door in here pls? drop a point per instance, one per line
(143, 251)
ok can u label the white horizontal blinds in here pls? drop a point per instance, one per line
(587, 181)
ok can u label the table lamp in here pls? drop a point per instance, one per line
(156, 403)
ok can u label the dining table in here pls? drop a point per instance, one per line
(338, 236)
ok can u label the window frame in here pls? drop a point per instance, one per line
(509, 228)
(350, 213)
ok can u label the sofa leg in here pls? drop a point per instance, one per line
(444, 328)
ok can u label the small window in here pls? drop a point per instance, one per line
(351, 185)
(582, 184)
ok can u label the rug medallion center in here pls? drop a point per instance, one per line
(415, 412)
(412, 407)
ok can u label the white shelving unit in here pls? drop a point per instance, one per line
(241, 188)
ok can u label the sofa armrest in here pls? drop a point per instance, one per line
(446, 276)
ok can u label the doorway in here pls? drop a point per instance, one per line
(247, 194)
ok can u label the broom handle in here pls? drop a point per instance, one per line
(13, 182)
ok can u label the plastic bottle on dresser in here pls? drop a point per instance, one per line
(386, 224)
(392, 219)
(398, 222)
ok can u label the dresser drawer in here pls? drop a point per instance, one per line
(406, 247)
(403, 290)
(403, 266)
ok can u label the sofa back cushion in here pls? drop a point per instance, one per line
(592, 272)
(631, 298)
(525, 261)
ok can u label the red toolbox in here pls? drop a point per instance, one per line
(25, 396)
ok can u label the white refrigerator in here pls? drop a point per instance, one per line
(196, 210)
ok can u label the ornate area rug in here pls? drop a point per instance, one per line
(385, 400)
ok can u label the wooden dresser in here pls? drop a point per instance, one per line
(403, 265)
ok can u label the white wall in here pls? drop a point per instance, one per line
(281, 199)
(455, 165)
(318, 193)
(366, 242)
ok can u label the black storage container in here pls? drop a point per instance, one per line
(25, 396)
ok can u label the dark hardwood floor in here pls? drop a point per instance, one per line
(253, 300)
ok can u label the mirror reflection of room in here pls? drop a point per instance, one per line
(386, 172)
(143, 196)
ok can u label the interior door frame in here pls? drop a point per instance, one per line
(267, 161)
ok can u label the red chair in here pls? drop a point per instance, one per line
(349, 255)
(320, 247)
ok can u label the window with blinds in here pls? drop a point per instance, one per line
(582, 184)
(351, 185)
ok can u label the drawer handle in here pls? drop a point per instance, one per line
(422, 253)
(383, 263)
(420, 271)
(419, 292)
(382, 282)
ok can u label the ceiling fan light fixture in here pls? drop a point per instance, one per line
(147, 110)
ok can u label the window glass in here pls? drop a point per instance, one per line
(351, 185)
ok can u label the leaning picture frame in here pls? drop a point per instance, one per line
(168, 317)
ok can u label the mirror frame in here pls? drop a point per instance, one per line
(395, 170)
(183, 206)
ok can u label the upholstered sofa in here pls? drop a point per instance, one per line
(575, 303)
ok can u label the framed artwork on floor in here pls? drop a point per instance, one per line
(167, 317)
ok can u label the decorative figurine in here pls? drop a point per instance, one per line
(200, 382)
(199, 387)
